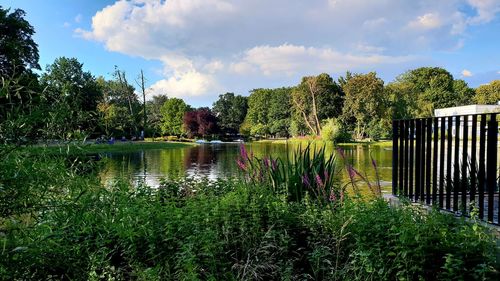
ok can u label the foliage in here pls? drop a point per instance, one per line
(172, 112)
(309, 171)
(365, 100)
(153, 108)
(489, 93)
(73, 96)
(429, 88)
(230, 110)
(18, 50)
(200, 123)
(333, 130)
(61, 223)
(316, 98)
(269, 112)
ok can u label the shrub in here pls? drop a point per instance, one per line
(332, 130)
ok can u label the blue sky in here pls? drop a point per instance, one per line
(198, 49)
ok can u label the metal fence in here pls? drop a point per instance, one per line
(449, 162)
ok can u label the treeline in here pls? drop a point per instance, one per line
(65, 102)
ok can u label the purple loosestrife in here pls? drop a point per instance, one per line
(265, 161)
(333, 197)
(319, 182)
(243, 153)
(274, 164)
(305, 181)
(241, 165)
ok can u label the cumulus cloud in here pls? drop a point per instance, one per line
(204, 42)
(466, 73)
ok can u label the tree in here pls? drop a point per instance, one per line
(317, 98)
(268, 112)
(74, 94)
(18, 50)
(172, 113)
(430, 88)
(200, 122)
(488, 93)
(154, 116)
(230, 110)
(364, 101)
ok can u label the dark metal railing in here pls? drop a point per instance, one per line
(450, 162)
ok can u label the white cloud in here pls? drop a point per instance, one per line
(466, 73)
(427, 21)
(292, 59)
(66, 24)
(486, 10)
(205, 43)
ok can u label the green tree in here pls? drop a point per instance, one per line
(317, 98)
(364, 101)
(488, 93)
(18, 50)
(153, 108)
(172, 113)
(431, 88)
(230, 110)
(73, 96)
(269, 112)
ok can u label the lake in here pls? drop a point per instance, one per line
(219, 160)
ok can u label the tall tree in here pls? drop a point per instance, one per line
(154, 113)
(488, 93)
(317, 98)
(230, 110)
(364, 101)
(431, 88)
(18, 50)
(268, 112)
(73, 93)
(172, 116)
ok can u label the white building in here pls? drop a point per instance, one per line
(466, 110)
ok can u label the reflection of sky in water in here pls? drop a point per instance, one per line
(219, 160)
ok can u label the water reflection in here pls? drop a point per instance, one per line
(218, 160)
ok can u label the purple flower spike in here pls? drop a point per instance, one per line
(305, 181)
(243, 153)
(319, 182)
(326, 176)
(352, 172)
(333, 197)
(265, 161)
(241, 165)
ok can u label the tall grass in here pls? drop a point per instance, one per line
(309, 171)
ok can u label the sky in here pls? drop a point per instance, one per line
(199, 49)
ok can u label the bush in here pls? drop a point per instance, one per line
(332, 130)
(77, 229)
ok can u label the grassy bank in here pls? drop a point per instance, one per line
(305, 141)
(60, 223)
(116, 147)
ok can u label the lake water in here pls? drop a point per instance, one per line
(219, 160)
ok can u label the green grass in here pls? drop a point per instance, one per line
(380, 143)
(116, 147)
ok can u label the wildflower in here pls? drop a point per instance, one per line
(319, 182)
(243, 153)
(333, 197)
(352, 172)
(325, 174)
(241, 165)
(265, 161)
(305, 181)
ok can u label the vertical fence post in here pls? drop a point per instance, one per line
(491, 164)
(482, 169)
(456, 164)
(449, 145)
(428, 164)
(412, 154)
(464, 164)
(435, 164)
(394, 157)
(423, 173)
(473, 168)
(441, 163)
